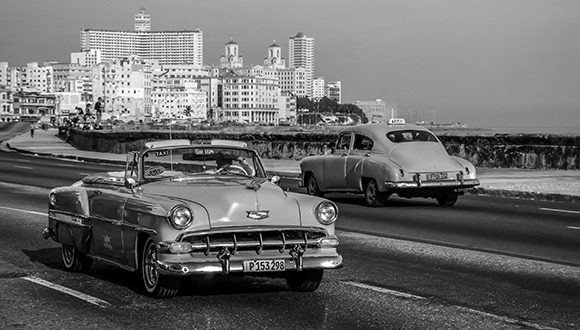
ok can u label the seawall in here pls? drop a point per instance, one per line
(531, 151)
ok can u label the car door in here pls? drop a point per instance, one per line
(361, 149)
(106, 209)
(335, 163)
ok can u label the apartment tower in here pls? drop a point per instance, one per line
(301, 49)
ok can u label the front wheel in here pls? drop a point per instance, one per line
(312, 186)
(447, 199)
(305, 281)
(75, 260)
(373, 196)
(156, 285)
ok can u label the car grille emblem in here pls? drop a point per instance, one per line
(258, 215)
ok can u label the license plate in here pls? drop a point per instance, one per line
(437, 176)
(276, 265)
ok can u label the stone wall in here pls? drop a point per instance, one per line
(507, 151)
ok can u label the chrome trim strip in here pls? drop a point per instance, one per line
(431, 184)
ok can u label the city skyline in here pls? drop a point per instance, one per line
(485, 63)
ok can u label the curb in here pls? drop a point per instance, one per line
(499, 193)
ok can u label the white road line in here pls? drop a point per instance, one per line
(82, 173)
(558, 210)
(19, 210)
(383, 290)
(470, 310)
(573, 227)
(23, 167)
(507, 319)
(74, 293)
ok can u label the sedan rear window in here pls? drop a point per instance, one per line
(411, 136)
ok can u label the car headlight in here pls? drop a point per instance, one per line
(180, 217)
(326, 213)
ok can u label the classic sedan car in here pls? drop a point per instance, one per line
(383, 159)
(184, 210)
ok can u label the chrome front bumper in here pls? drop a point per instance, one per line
(236, 266)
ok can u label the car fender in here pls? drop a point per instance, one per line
(470, 173)
(377, 167)
(313, 165)
(307, 205)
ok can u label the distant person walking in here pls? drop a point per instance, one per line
(88, 109)
(32, 131)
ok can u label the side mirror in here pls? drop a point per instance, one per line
(130, 183)
(275, 179)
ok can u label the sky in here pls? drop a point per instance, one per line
(486, 63)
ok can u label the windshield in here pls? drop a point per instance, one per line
(200, 160)
(411, 136)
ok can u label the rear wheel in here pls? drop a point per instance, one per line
(75, 260)
(305, 281)
(373, 196)
(312, 186)
(156, 285)
(447, 199)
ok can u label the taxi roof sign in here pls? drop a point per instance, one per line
(397, 121)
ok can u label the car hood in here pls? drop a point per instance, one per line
(233, 201)
(423, 157)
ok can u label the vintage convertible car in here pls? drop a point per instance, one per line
(382, 159)
(181, 210)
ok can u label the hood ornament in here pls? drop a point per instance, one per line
(258, 215)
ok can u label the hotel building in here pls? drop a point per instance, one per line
(301, 51)
(168, 47)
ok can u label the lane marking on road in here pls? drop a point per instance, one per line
(467, 309)
(383, 290)
(506, 319)
(83, 173)
(19, 210)
(573, 227)
(24, 167)
(71, 292)
(558, 210)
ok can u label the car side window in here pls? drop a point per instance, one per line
(343, 142)
(362, 142)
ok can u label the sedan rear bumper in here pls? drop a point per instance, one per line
(236, 266)
(468, 183)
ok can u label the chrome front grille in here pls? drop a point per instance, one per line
(258, 240)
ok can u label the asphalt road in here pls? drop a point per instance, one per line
(410, 264)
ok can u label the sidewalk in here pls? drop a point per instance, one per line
(552, 185)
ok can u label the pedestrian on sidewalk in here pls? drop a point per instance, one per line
(32, 131)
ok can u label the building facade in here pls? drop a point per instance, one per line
(34, 106)
(334, 91)
(168, 47)
(375, 111)
(90, 57)
(6, 109)
(232, 59)
(301, 54)
(318, 88)
(250, 96)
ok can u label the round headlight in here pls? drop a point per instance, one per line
(326, 213)
(180, 217)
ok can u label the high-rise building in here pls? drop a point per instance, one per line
(301, 51)
(168, 47)
(89, 57)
